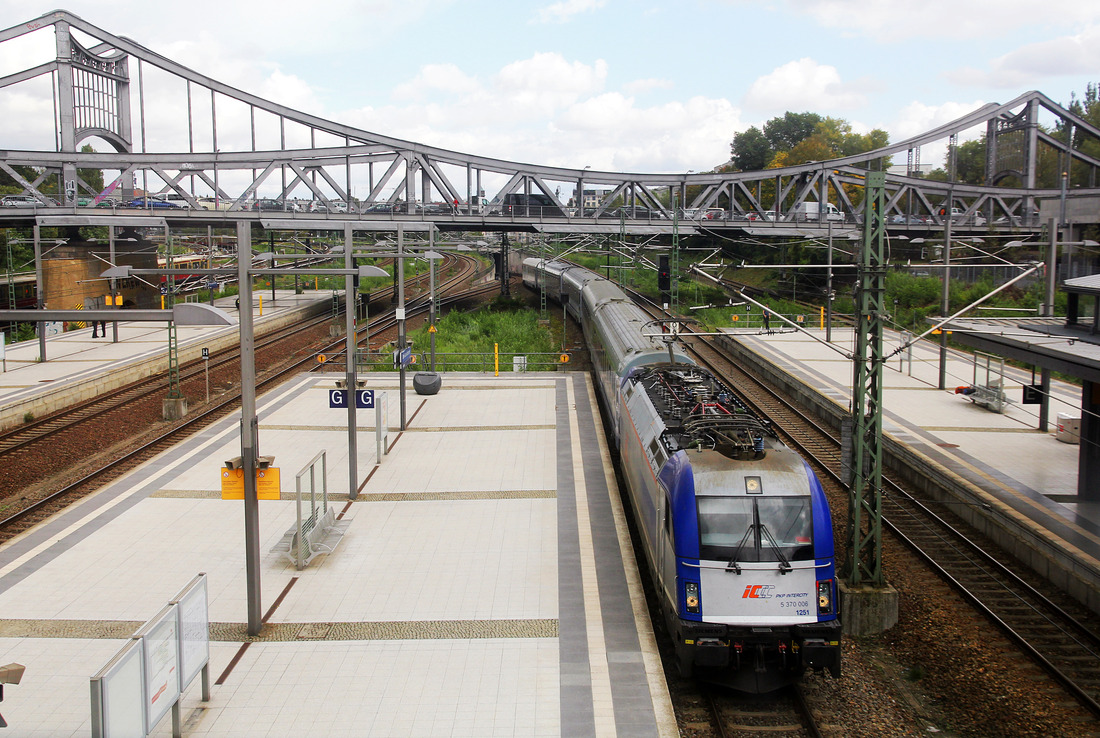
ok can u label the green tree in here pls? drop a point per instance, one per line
(750, 150)
(797, 138)
(970, 162)
(785, 133)
(9, 185)
(92, 177)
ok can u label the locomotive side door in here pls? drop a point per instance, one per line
(666, 554)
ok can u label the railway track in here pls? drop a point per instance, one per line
(29, 511)
(781, 714)
(1044, 624)
(29, 433)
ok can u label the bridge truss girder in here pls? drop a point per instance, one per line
(340, 162)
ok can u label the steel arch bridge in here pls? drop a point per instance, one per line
(242, 152)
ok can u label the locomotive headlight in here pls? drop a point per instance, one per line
(825, 596)
(691, 596)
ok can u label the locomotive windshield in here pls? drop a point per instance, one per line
(754, 529)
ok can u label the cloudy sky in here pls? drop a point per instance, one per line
(639, 86)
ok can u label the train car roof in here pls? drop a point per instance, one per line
(626, 336)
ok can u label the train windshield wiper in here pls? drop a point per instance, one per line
(733, 560)
(784, 564)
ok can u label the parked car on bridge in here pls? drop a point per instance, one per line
(19, 201)
(958, 215)
(908, 220)
(269, 204)
(332, 206)
(152, 202)
(176, 198)
(816, 211)
(637, 213)
(381, 208)
(1018, 220)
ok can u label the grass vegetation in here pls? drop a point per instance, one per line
(506, 325)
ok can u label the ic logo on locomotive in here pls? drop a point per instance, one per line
(758, 592)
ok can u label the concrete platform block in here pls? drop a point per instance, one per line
(867, 610)
(174, 407)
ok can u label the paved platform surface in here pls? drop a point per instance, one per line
(485, 585)
(75, 356)
(1003, 453)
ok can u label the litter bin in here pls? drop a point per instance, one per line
(426, 383)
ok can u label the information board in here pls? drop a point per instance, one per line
(194, 630)
(160, 640)
(117, 704)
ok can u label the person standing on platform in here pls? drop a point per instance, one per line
(767, 321)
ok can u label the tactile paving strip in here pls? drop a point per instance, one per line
(397, 630)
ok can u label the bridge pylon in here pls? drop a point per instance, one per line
(93, 100)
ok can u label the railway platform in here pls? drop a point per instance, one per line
(79, 367)
(484, 585)
(1014, 482)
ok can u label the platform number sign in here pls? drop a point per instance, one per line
(205, 353)
(338, 398)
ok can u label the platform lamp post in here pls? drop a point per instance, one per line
(249, 430)
(401, 316)
(433, 299)
(351, 299)
(829, 288)
(431, 257)
(249, 425)
(945, 305)
(350, 271)
(399, 281)
(40, 302)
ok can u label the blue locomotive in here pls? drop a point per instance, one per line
(735, 527)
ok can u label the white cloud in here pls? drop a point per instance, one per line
(1030, 65)
(803, 85)
(640, 86)
(607, 130)
(563, 11)
(437, 79)
(546, 82)
(917, 118)
(940, 18)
